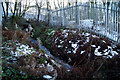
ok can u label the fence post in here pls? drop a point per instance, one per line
(79, 13)
(0, 40)
(76, 14)
(106, 21)
(51, 18)
(62, 15)
(117, 24)
(0, 14)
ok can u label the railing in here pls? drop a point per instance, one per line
(102, 19)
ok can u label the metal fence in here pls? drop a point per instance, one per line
(102, 18)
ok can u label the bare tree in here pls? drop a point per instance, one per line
(5, 10)
(48, 10)
(39, 4)
(19, 8)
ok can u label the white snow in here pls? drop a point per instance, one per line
(87, 39)
(52, 32)
(114, 52)
(81, 45)
(93, 45)
(83, 33)
(98, 53)
(74, 45)
(22, 50)
(104, 41)
(109, 47)
(61, 42)
(59, 46)
(70, 42)
(86, 23)
(109, 56)
(87, 34)
(82, 52)
(47, 56)
(74, 51)
(47, 76)
(95, 36)
(69, 52)
(106, 53)
(50, 67)
(66, 34)
(105, 50)
(73, 31)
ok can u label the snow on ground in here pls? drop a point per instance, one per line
(47, 76)
(99, 27)
(108, 53)
(86, 23)
(22, 50)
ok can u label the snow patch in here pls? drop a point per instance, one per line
(95, 36)
(47, 76)
(87, 34)
(93, 45)
(82, 52)
(74, 45)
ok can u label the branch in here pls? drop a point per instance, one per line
(3, 8)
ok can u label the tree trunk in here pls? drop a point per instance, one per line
(7, 5)
(15, 7)
(20, 9)
(3, 8)
(38, 16)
